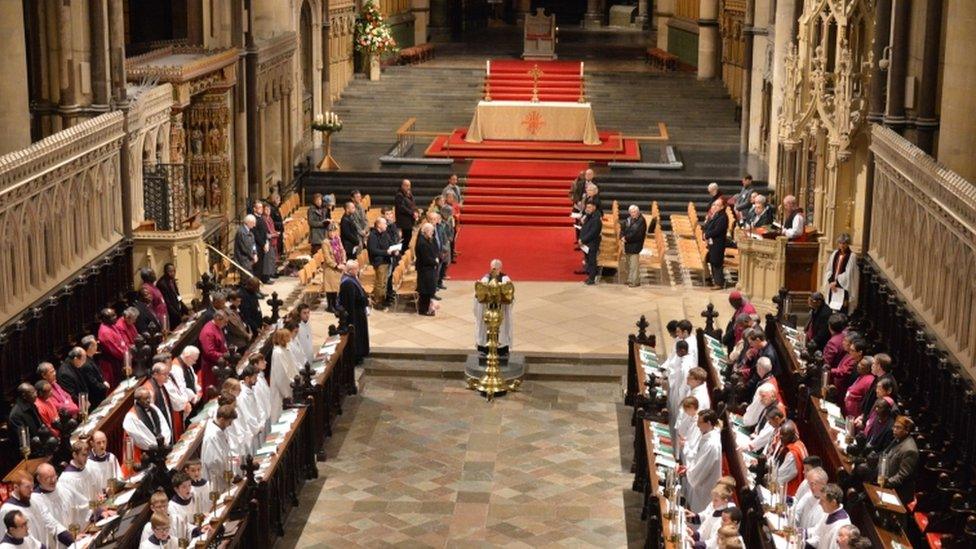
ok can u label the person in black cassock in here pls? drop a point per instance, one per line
(353, 300)
(428, 255)
(714, 230)
(250, 304)
(23, 413)
(590, 236)
(818, 327)
(147, 322)
(175, 308)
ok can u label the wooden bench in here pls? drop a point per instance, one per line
(662, 59)
(684, 226)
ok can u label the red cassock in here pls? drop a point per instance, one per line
(799, 451)
(213, 346)
(112, 345)
(158, 303)
(128, 331)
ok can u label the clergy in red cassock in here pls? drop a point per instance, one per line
(158, 303)
(113, 345)
(213, 346)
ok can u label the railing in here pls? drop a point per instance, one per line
(166, 190)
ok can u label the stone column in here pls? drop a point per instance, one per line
(748, 23)
(101, 84)
(898, 67)
(15, 106)
(326, 62)
(68, 105)
(593, 18)
(421, 13)
(709, 42)
(643, 18)
(926, 121)
(116, 20)
(957, 135)
(663, 10)
(783, 39)
(882, 34)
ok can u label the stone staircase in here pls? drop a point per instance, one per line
(699, 114)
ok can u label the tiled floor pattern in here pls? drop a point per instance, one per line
(426, 463)
(549, 317)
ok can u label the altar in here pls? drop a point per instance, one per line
(533, 121)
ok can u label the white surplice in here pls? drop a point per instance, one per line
(140, 433)
(104, 468)
(41, 525)
(504, 331)
(215, 452)
(305, 340)
(704, 471)
(283, 372)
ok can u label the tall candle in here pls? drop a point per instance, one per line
(24, 437)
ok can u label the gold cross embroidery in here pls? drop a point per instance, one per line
(533, 122)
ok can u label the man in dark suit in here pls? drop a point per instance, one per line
(881, 369)
(262, 243)
(405, 212)
(632, 233)
(318, 222)
(902, 460)
(353, 301)
(589, 240)
(714, 231)
(349, 231)
(71, 374)
(250, 304)
(245, 249)
(23, 413)
(818, 327)
(97, 386)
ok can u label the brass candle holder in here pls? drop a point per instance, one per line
(493, 295)
(214, 498)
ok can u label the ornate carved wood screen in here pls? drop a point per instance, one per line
(166, 193)
(923, 238)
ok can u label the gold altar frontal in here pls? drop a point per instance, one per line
(533, 121)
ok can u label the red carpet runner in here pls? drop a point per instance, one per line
(527, 253)
(518, 211)
(513, 80)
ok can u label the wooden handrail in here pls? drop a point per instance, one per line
(405, 127)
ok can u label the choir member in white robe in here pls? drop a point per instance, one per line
(65, 505)
(40, 523)
(678, 366)
(102, 464)
(158, 505)
(215, 453)
(304, 314)
(161, 536)
(295, 346)
(697, 386)
(686, 428)
(239, 437)
(182, 369)
(704, 470)
(144, 422)
(710, 519)
(254, 416)
(198, 484)
(807, 508)
(824, 535)
(77, 476)
(283, 372)
(261, 388)
(686, 332)
(481, 329)
(840, 275)
(18, 534)
(809, 463)
(182, 507)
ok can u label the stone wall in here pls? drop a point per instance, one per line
(60, 208)
(923, 237)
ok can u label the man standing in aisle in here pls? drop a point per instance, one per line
(589, 240)
(632, 232)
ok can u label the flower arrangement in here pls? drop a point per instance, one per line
(373, 35)
(328, 122)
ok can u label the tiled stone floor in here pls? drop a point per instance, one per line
(421, 462)
(549, 317)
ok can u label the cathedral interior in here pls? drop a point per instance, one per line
(139, 133)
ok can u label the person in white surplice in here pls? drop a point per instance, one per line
(840, 275)
(704, 470)
(283, 371)
(481, 330)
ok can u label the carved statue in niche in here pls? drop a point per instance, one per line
(216, 142)
(196, 142)
(177, 144)
(215, 190)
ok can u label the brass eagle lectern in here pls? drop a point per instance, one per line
(492, 295)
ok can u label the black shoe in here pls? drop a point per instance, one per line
(436, 297)
(428, 313)
(589, 282)
(441, 287)
(579, 272)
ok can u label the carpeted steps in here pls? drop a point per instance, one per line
(509, 193)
